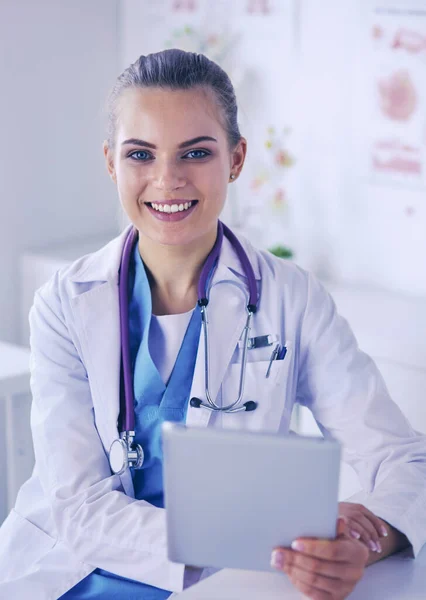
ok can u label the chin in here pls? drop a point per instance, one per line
(167, 237)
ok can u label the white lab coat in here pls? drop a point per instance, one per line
(73, 515)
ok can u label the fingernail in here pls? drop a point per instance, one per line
(297, 546)
(372, 546)
(277, 559)
(384, 531)
(379, 547)
(355, 534)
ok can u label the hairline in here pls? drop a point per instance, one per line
(205, 88)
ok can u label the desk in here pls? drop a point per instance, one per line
(397, 577)
(14, 380)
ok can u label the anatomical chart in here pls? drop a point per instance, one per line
(398, 83)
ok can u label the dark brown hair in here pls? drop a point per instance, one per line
(178, 70)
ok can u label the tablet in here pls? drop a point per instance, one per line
(232, 496)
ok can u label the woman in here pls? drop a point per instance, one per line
(80, 530)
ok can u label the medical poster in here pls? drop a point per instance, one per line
(397, 123)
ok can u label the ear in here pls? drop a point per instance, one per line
(109, 159)
(238, 156)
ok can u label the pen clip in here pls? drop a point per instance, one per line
(273, 357)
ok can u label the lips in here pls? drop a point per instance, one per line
(172, 210)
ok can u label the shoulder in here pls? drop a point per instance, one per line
(286, 284)
(279, 271)
(87, 271)
(52, 315)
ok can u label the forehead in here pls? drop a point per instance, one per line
(155, 113)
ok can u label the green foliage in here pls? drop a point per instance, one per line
(281, 251)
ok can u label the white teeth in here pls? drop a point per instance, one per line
(171, 208)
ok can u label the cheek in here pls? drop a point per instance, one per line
(215, 186)
(129, 182)
(221, 190)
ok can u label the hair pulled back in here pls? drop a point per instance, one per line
(178, 70)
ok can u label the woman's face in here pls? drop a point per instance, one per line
(171, 163)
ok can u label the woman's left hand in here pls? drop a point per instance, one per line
(323, 569)
(363, 525)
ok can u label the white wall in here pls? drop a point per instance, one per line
(359, 229)
(342, 226)
(59, 58)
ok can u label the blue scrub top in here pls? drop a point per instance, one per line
(154, 403)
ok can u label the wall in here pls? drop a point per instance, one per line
(310, 65)
(60, 60)
(368, 230)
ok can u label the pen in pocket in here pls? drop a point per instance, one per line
(282, 353)
(274, 356)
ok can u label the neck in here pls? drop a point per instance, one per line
(174, 271)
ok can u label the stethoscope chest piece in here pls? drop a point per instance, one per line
(123, 454)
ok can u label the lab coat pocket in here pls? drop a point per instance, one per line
(18, 535)
(270, 394)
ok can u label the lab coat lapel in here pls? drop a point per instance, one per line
(226, 318)
(97, 322)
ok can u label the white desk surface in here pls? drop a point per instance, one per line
(398, 577)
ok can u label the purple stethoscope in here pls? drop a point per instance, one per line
(124, 452)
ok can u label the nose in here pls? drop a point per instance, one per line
(168, 177)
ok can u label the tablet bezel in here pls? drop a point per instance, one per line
(225, 504)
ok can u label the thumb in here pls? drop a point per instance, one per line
(342, 527)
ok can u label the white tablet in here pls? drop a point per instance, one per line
(232, 496)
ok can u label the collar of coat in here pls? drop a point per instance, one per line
(104, 264)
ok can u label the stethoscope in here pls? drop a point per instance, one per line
(124, 452)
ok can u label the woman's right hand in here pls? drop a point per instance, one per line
(323, 569)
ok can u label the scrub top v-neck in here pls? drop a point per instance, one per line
(155, 401)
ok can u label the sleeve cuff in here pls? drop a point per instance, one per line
(176, 577)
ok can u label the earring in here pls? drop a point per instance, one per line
(232, 176)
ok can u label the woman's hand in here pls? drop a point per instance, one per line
(363, 525)
(324, 569)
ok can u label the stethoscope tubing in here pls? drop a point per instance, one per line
(128, 404)
(131, 452)
(211, 404)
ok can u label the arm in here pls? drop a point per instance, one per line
(93, 516)
(349, 400)
(394, 542)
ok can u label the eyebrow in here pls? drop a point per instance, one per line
(197, 140)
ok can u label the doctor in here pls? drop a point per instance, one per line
(80, 530)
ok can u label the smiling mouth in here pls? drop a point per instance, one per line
(171, 208)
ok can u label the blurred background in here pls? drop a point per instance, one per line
(332, 100)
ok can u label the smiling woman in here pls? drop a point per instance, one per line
(120, 344)
(173, 147)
